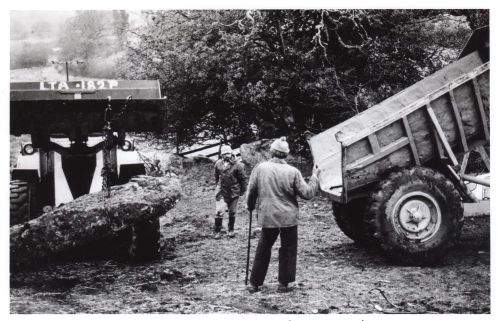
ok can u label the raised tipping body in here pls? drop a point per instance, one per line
(393, 171)
(407, 128)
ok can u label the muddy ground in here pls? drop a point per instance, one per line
(198, 274)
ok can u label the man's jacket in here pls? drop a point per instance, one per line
(232, 178)
(275, 185)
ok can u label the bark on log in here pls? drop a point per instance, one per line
(92, 217)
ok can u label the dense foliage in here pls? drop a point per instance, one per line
(292, 70)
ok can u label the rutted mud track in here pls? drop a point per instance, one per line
(198, 274)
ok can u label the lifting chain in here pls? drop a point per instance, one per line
(108, 170)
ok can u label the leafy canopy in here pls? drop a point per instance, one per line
(225, 72)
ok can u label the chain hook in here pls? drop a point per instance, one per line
(108, 170)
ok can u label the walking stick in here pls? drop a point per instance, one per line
(248, 248)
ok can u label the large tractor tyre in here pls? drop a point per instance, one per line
(349, 218)
(23, 202)
(415, 215)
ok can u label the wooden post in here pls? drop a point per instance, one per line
(441, 135)
(374, 143)
(439, 146)
(412, 141)
(458, 120)
(481, 109)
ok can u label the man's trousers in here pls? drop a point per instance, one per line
(287, 255)
(231, 208)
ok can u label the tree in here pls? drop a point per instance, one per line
(92, 36)
(476, 18)
(41, 29)
(30, 55)
(81, 36)
(120, 27)
(299, 70)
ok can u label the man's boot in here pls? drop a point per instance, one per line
(230, 226)
(218, 227)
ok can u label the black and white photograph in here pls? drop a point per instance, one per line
(249, 161)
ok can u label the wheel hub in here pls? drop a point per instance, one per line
(417, 216)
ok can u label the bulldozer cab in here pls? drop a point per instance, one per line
(79, 109)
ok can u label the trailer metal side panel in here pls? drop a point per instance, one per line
(378, 139)
(456, 121)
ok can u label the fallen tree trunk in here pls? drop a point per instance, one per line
(92, 217)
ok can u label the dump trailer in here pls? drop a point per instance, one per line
(396, 171)
(79, 146)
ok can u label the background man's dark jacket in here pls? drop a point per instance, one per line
(233, 179)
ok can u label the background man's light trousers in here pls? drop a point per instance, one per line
(231, 208)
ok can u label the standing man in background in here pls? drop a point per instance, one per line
(277, 185)
(231, 183)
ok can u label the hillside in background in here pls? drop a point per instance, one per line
(45, 73)
(94, 39)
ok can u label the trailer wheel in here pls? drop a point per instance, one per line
(415, 215)
(23, 202)
(349, 218)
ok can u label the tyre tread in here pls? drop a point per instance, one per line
(377, 205)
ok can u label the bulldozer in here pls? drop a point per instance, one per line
(79, 145)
